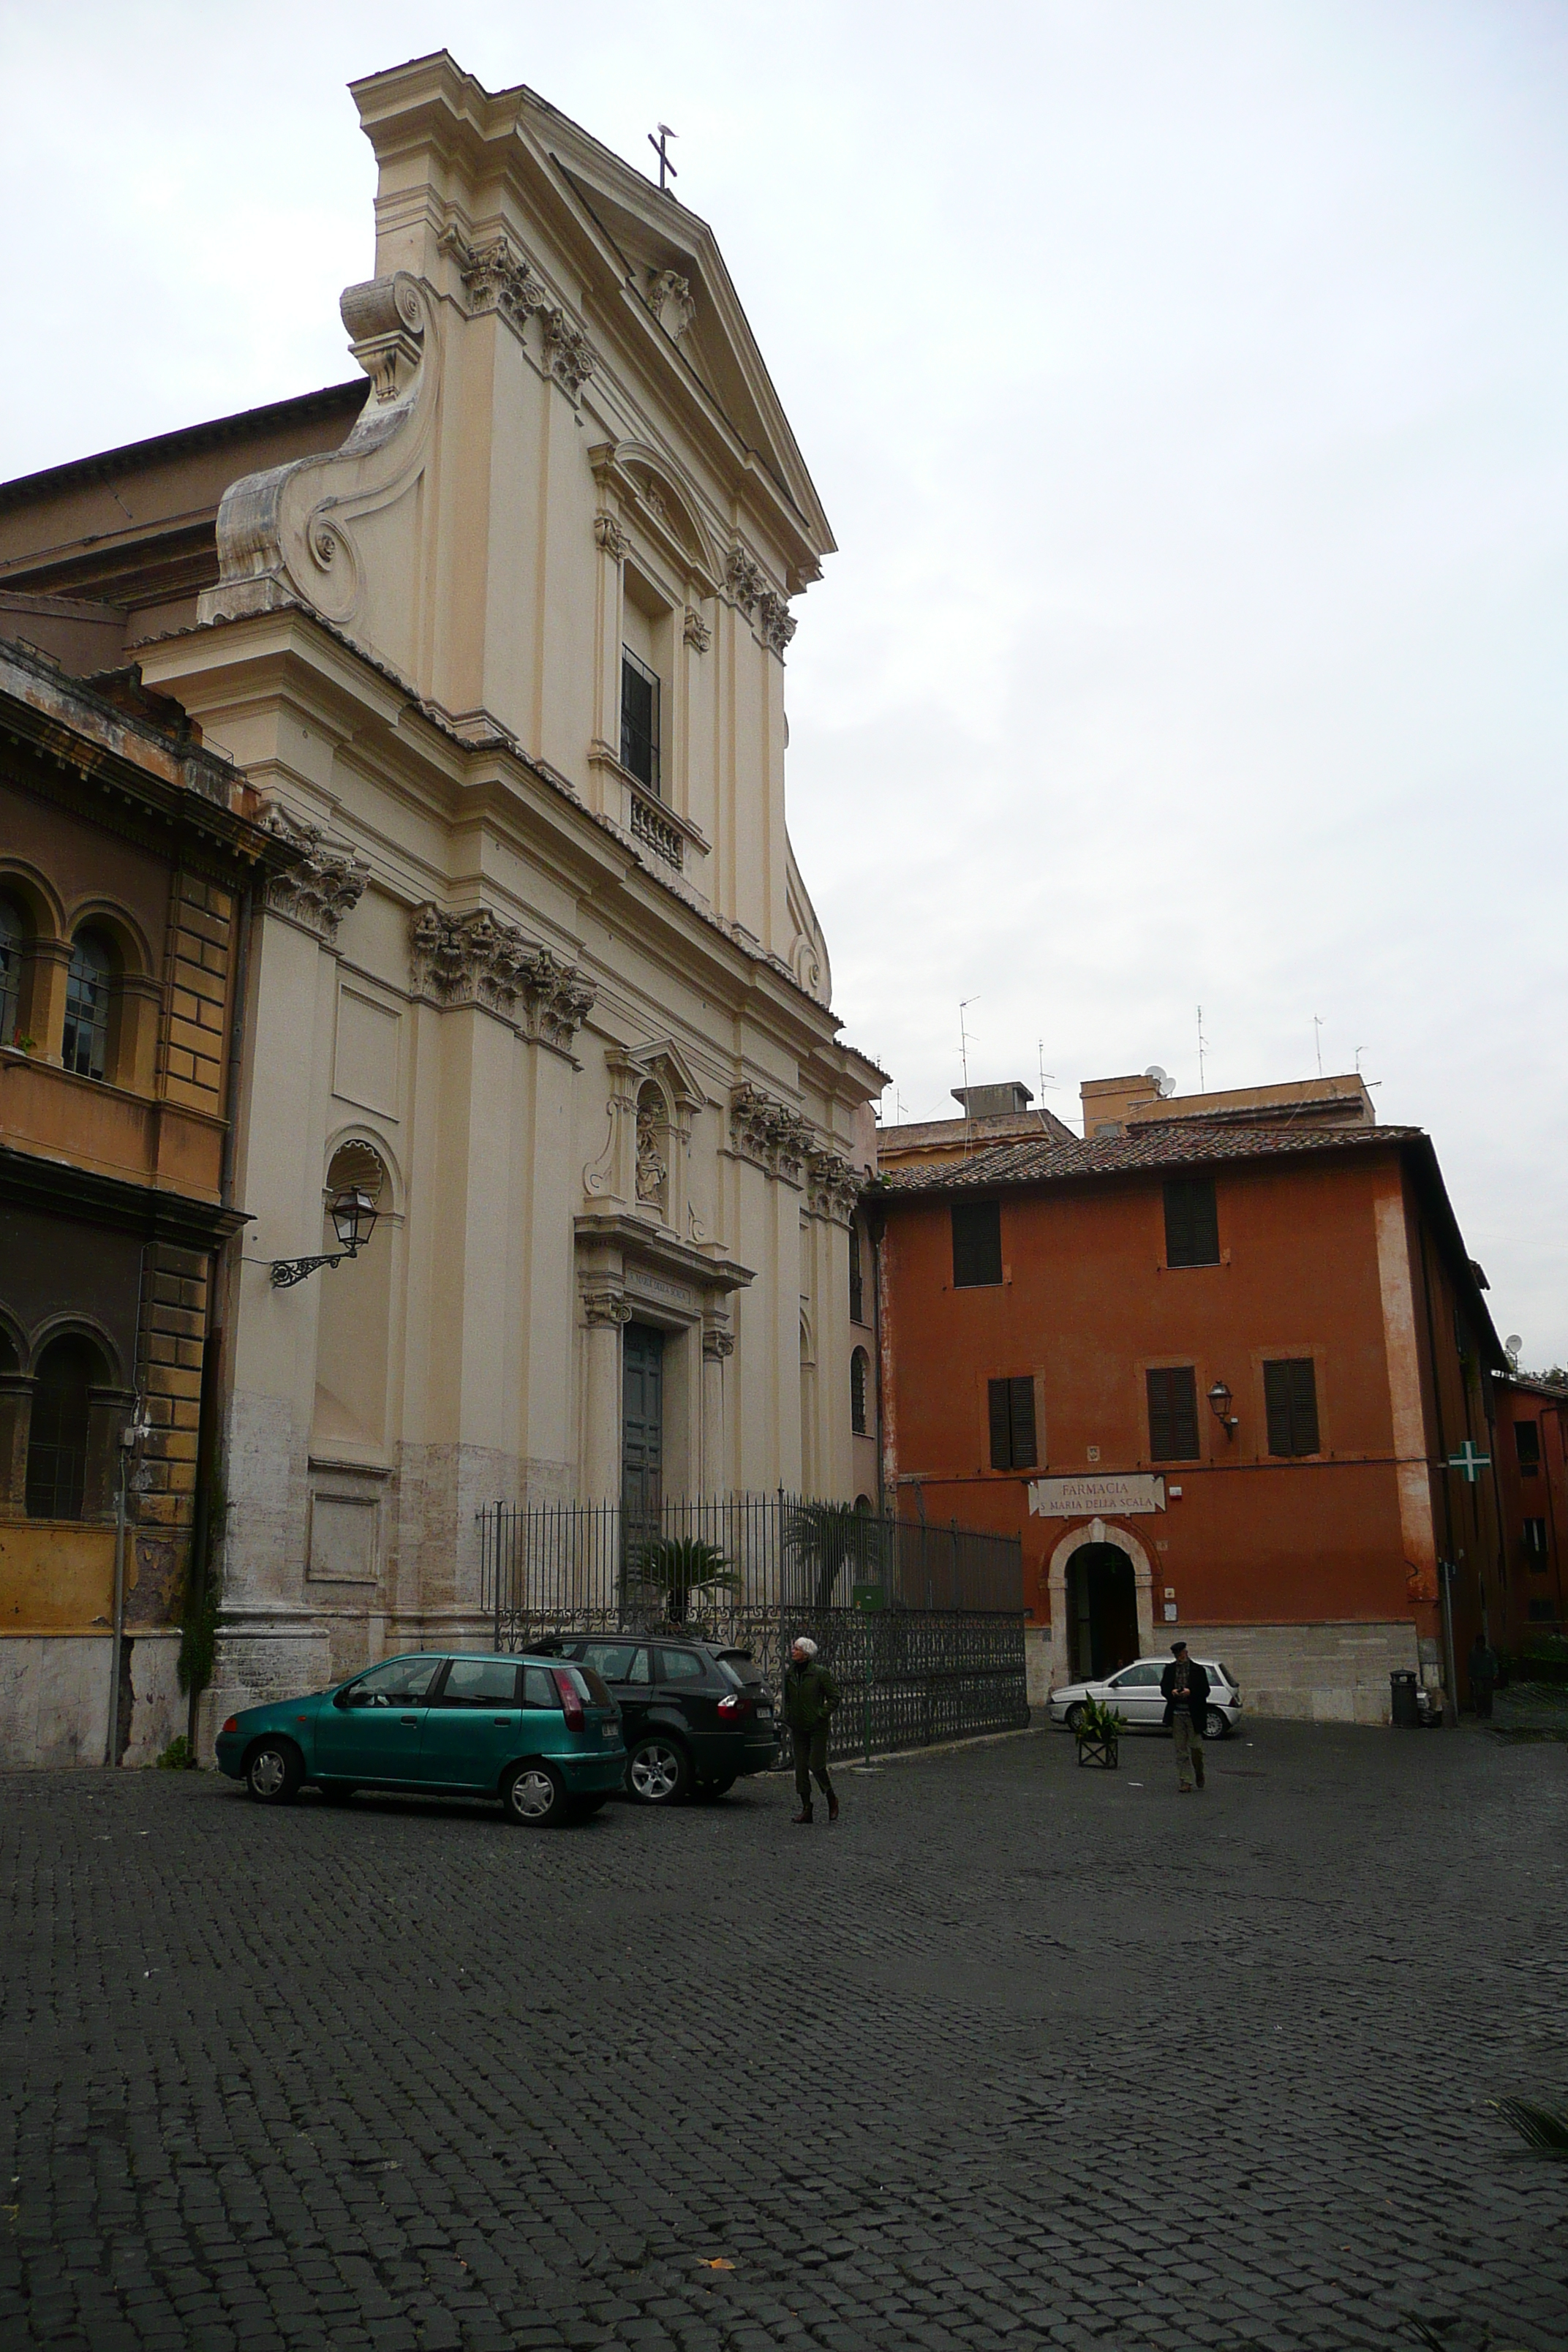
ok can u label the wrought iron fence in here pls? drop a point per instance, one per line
(921, 1624)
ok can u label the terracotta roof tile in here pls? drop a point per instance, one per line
(1167, 1143)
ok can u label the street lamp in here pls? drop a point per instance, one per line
(353, 1222)
(1219, 1404)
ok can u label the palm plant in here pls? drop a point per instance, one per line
(1545, 2130)
(826, 1539)
(681, 1567)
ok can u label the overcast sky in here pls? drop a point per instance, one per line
(1187, 385)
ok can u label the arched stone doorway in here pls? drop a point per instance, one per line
(1103, 1612)
(1099, 1538)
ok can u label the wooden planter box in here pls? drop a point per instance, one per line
(1093, 1751)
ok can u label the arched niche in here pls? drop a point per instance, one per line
(354, 1311)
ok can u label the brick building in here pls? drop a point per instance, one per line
(1532, 1451)
(125, 852)
(1213, 1362)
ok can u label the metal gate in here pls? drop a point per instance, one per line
(921, 1625)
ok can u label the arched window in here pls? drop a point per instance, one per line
(57, 1440)
(12, 935)
(89, 984)
(860, 1368)
(856, 1285)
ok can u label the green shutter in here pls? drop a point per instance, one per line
(997, 1397)
(1021, 1393)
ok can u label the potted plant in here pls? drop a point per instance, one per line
(1098, 1731)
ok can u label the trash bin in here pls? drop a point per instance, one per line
(1406, 1712)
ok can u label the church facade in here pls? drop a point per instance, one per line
(541, 983)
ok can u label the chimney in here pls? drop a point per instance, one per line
(1108, 1102)
(994, 1102)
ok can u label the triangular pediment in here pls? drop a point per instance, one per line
(662, 1059)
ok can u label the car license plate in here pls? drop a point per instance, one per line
(610, 1731)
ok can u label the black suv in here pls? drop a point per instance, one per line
(695, 1715)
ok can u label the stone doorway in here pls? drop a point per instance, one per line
(1103, 1612)
(642, 1424)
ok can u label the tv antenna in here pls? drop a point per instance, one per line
(660, 150)
(1202, 1044)
(1318, 1039)
(963, 1061)
(1164, 1084)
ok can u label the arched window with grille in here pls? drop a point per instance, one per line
(89, 986)
(859, 1370)
(12, 935)
(58, 1434)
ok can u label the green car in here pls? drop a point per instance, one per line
(542, 1736)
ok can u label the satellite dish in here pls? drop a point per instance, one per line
(1164, 1083)
(1510, 1347)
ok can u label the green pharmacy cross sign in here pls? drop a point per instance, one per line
(1468, 1463)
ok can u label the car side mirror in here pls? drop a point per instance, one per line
(351, 1698)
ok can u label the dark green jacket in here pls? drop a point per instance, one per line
(810, 1696)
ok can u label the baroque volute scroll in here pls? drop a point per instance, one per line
(291, 536)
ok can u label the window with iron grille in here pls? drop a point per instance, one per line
(1013, 1441)
(56, 1436)
(857, 1286)
(859, 1367)
(1173, 1413)
(85, 1044)
(640, 720)
(1192, 1221)
(1291, 1401)
(977, 1244)
(1535, 1545)
(1527, 1443)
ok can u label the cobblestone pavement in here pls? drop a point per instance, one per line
(1017, 2054)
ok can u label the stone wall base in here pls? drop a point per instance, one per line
(1332, 1672)
(54, 1697)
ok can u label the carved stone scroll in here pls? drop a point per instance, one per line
(496, 277)
(770, 1132)
(745, 578)
(696, 632)
(568, 353)
(480, 959)
(328, 880)
(778, 622)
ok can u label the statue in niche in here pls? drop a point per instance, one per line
(653, 1169)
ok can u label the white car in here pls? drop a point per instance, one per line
(1134, 1692)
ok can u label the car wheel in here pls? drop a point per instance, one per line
(1215, 1727)
(273, 1772)
(709, 1790)
(1073, 1717)
(656, 1770)
(535, 1797)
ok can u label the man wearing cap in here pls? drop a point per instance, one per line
(1185, 1688)
(810, 1696)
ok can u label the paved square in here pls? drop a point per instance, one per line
(1015, 2054)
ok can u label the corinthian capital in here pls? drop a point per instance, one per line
(327, 879)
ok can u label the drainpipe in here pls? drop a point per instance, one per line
(874, 1230)
(117, 1643)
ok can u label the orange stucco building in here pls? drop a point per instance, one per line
(1213, 1362)
(1532, 1490)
